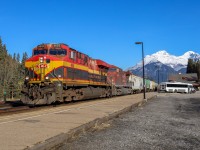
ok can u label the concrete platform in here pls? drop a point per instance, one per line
(46, 129)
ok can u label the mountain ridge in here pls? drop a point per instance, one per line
(165, 62)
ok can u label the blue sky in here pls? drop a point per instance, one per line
(103, 29)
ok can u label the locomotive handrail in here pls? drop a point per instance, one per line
(54, 74)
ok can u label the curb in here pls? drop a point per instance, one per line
(54, 142)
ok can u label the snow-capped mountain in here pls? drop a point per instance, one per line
(175, 62)
(165, 62)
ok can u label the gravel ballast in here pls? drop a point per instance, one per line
(170, 121)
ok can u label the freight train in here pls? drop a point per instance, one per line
(58, 73)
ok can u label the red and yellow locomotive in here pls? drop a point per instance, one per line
(56, 72)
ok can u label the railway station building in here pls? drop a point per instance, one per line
(186, 78)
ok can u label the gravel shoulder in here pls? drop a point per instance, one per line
(170, 121)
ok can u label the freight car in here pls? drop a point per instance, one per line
(136, 83)
(147, 85)
(58, 73)
(153, 86)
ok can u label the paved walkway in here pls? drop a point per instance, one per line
(46, 128)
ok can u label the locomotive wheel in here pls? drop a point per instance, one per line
(78, 95)
(67, 99)
(109, 93)
(68, 95)
(50, 97)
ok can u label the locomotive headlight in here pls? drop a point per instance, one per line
(47, 78)
(27, 78)
(41, 59)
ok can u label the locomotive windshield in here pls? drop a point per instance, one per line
(38, 52)
(57, 52)
(112, 69)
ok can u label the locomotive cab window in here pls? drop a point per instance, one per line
(61, 52)
(79, 55)
(85, 59)
(73, 55)
(112, 69)
(38, 52)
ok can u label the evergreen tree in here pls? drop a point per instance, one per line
(11, 68)
(14, 56)
(18, 57)
(22, 66)
(24, 58)
(190, 66)
(198, 69)
(194, 67)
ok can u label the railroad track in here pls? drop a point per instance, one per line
(12, 107)
(15, 107)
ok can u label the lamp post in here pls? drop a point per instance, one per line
(142, 68)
